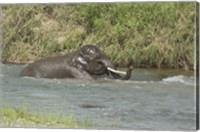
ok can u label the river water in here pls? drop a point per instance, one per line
(151, 100)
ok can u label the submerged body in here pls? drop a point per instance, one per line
(52, 67)
(83, 63)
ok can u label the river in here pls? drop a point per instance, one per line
(151, 100)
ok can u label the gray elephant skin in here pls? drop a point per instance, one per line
(86, 62)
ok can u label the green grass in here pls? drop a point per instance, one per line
(157, 35)
(22, 118)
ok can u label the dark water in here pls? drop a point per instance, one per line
(151, 100)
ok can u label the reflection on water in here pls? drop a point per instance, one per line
(151, 100)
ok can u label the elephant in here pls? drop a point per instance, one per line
(87, 62)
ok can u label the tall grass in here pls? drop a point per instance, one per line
(143, 34)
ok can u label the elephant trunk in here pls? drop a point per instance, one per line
(107, 63)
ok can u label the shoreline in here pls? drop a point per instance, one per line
(123, 66)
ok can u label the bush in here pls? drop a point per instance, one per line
(143, 34)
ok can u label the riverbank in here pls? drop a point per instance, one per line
(159, 35)
(22, 118)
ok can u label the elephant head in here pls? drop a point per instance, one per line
(96, 62)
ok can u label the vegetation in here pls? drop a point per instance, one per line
(158, 35)
(22, 118)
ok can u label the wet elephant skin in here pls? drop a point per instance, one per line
(83, 63)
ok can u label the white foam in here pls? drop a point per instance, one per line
(180, 79)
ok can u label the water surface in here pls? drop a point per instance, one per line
(151, 100)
